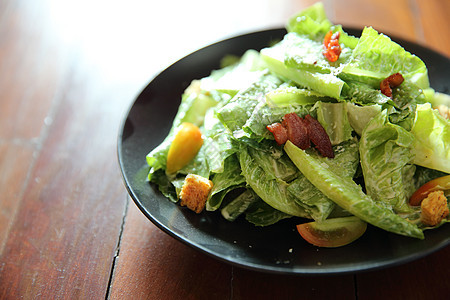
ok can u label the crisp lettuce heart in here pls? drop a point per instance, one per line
(432, 144)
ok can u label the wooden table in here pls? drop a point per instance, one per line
(68, 72)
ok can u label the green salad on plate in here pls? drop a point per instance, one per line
(335, 130)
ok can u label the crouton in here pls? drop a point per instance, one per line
(444, 111)
(434, 208)
(195, 191)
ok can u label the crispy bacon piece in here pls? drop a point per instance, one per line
(297, 131)
(331, 47)
(279, 132)
(319, 137)
(389, 83)
(301, 132)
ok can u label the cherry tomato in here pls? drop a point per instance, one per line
(332, 232)
(185, 146)
(440, 183)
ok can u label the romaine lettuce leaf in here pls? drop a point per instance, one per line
(290, 95)
(344, 163)
(237, 111)
(376, 57)
(262, 214)
(313, 23)
(363, 94)
(385, 151)
(239, 205)
(238, 76)
(437, 98)
(218, 142)
(263, 114)
(333, 117)
(224, 182)
(359, 116)
(268, 187)
(324, 83)
(347, 194)
(306, 54)
(432, 139)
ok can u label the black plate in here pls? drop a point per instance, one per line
(277, 248)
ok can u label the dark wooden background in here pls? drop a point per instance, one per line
(68, 72)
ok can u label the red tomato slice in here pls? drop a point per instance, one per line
(438, 184)
(332, 233)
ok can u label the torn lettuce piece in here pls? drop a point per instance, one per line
(305, 54)
(348, 195)
(334, 119)
(314, 23)
(267, 186)
(236, 112)
(229, 179)
(345, 163)
(239, 205)
(311, 21)
(359, 116)
(262, 214)
(290, 95)
(432, 139)
(376, 57)
(235, 77)
(263, 114)
(324, 83)
(273, 162)
(385, 151)
(218, 142)
(363, 94)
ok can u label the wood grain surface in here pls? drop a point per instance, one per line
(69, 70)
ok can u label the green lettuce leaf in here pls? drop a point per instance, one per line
(266, 185)
(348, 195)
(263, 114)
(376, 57)
(344, 163)
(262, 214)
(386, 154)
(326, 84)
(236, 112)
(359, 116)
(239, 205)
(334, 119)
(432, 139)
(288, 95)
(314, 23)
(224, 182)
(218, 142)
(306, 54)
(363, 94)
(233, 78)
(311, 21)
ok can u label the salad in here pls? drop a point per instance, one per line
(335, 130)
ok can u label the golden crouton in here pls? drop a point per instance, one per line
(434, 208)
(195, 191)
(444, 111)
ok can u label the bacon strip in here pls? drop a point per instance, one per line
(301, 132)
(296, 130)
(331, 47)
(279, 132)
(389, 83)
(319, 137)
